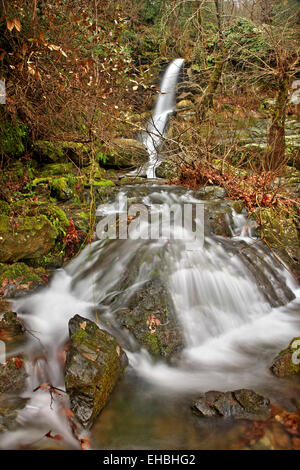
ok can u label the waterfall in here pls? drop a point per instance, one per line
(156, 127)
(231, 332)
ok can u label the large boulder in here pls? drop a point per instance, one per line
(125, 153)
(95, 362)
(31, 231)
(61, 151)
(287, 362)
(25, 237)
(239, 404)
(151, 318)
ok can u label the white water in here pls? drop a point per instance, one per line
(164, 107)
(231, 332)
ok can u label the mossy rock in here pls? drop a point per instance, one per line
(4, 208)
(60, 151)
(13, 134)
(25, 237)
(18, 278)
(287, 363)
(53, 212)
(51, 151)
(125, 153)
(95, 362)
(61, 188)
(57, 169)
(279, 230)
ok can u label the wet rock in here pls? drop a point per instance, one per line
(239, 404)
(12, 376)
(11, 327)
(151, 318)
(218, 220)
(270, 282)
(95, 362)
(287, 362)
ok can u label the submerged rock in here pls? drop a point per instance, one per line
(95, 362)
(151, 318)
(9, 408)
(239, 404)
(287, 362)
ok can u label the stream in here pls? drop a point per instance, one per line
(235, 305)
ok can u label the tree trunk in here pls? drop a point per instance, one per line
(275, 153)
(207, 99)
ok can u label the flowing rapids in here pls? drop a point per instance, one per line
(230, 330)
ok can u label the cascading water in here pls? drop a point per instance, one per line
(154, 134)
(231, 332)
(222, 300)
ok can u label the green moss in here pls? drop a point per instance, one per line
(279, 230)
(34, 224)
(56, 169)
(17, 271)
(52, 150)
(4, 223)
(153, 342)
(103, 182)
(54, 213)
(79, 336)
(61, 188)
(12, 136)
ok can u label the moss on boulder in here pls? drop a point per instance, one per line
(125, 153)
(57, 169)
(18, 278)
(25, 237)
(95, 362)
(60, 151)
(61, 188)
(4, 208)
(12, 136)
